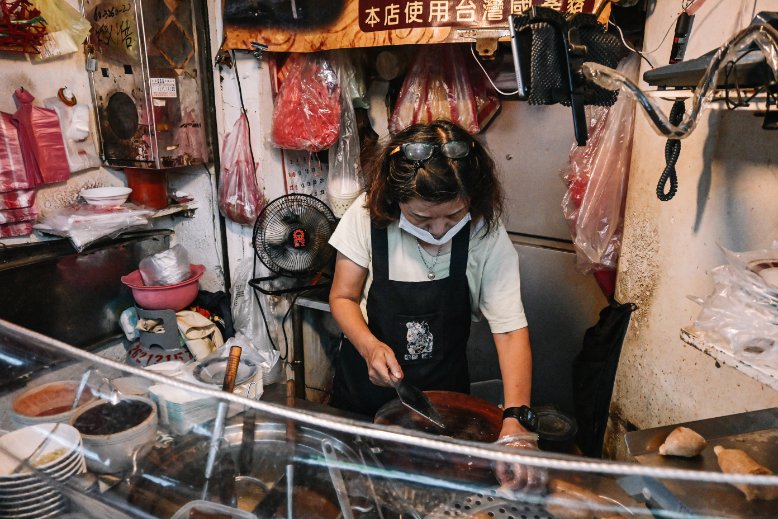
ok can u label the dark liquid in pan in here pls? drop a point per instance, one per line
(110, 419)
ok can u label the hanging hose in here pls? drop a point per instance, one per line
(672, 152)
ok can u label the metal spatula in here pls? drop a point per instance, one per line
(414, 399)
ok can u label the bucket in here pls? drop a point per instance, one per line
(149, 187)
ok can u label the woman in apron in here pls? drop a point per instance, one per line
(420, 254)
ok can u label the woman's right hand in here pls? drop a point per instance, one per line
(382, 365)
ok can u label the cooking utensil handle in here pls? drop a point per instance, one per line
(233, 362)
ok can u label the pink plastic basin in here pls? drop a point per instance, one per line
(170, 297)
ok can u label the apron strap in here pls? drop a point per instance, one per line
(459, 250)
(380, 245)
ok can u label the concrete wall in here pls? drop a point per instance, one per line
(727, 190)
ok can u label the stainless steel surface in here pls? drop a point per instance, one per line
(755, 432)
(147, 87)
(414, 399)
(486, 505)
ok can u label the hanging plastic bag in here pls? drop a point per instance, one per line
(75, 125)
(343, 185)
(436, 88)
(307, 109)
(597, 182)
(240, 199)
(66, 29)
(40, 136)
(13, 174)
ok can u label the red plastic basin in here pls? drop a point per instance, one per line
(169, 297)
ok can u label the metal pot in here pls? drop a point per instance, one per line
(465, 418)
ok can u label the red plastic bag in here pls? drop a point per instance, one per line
(239, 197)
(13, 174)
(437, 86)
(597, 182)
(306, 115)
(40, 136)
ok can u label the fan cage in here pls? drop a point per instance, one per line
(291, 235)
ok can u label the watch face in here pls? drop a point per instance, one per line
(528, 418)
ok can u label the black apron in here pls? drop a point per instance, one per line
(426, 324)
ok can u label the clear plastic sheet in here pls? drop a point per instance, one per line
(343, 179)
(436, 86)
(327, 465)
(597, 176)
(84, 224)
(742, 309)
(763, 36)
(240, 198)
(166, 268)
(306, 114)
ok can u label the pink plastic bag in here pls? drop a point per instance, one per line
(597, 182)
(306, 115)
(13, 174)
(40, 136)
(437, 86)
(239, 197)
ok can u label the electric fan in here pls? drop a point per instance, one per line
(291, 237)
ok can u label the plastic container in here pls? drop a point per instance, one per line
(149, 187)
(168, 297)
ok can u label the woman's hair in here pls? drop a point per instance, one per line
(392, 178)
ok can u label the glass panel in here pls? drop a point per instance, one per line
(138, 443)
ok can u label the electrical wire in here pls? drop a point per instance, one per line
(621, 34)
(472, 51)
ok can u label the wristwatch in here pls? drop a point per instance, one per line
(526, 416)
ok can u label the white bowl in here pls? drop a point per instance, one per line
(45, 440)
(106, 196)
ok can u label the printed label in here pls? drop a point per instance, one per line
(163, 87)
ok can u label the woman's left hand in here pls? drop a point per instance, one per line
(514, 476)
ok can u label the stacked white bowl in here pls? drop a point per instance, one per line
(34, 460)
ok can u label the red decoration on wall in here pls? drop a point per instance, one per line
(22, 27)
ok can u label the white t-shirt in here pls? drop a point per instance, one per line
(492, 266)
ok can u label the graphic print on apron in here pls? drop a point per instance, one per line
(420, 341)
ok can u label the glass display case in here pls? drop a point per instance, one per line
(96, 437)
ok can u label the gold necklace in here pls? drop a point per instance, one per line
(430, 268)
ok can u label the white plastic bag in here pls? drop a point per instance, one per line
(246, 316)
(742, 310)
(343, 184)
(75, 123)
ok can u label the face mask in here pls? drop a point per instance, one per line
(426, 236)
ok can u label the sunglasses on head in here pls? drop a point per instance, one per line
(421, 151)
